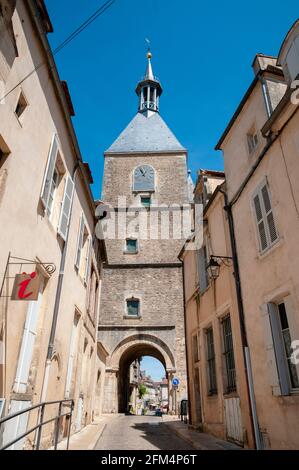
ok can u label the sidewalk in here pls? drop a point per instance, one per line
(87, 438)
(198, 440)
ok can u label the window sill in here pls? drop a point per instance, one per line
(263, 254)
(132, 317)
(130, 252)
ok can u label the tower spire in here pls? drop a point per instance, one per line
(149, 88)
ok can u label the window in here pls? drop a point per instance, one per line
(195, 348)
(252, 141)
(72, 354)
(286, 337)
(266, 226)
(211, 363)
(133, 307)
(131, 245)
(21, 105)
(202, 269)
(145, 201)
(228, 352)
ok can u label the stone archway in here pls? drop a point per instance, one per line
(129, 349)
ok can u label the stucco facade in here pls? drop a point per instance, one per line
(40, 222)
(221, 409)
(263, 194)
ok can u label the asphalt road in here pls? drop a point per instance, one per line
(139, 433)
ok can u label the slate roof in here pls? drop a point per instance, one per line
(146, 134)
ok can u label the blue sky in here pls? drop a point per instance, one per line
(202, 53)
(153, 367)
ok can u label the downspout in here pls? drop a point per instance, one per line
(186, 343)
(246, 352)
(57, 301)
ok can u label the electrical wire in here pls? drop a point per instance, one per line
(105, 6)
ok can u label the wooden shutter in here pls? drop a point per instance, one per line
(264, 218)
(66, 208)
(49, 171)
(202, 270)
(28, 340)
(270, 354)
(280, 355)
(16, 426)
(260, 223)
(270, 223)
(72, 354)
(88, 259)
(79, 242)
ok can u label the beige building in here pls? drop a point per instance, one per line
(219, 400)
(261, 152)
(49, 345)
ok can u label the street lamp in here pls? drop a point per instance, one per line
(213, 267)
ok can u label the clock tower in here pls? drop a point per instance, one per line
(142, 308)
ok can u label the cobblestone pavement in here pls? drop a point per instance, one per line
(139, 433)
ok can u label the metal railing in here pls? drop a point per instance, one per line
(38, 427)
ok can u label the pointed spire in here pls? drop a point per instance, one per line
(149, 88)
(149, 71)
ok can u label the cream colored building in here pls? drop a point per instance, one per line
(218, 393)
(49, 346)
(261, 153)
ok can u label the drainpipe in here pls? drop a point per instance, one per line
(246, 352)
(186, 343)
(57, 301)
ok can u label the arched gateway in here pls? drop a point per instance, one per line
(142, 307)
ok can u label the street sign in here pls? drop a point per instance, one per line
(175, 382)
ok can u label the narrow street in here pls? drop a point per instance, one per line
(139, 433)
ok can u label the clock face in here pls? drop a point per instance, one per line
(144, 178)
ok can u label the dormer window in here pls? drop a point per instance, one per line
(252, 140)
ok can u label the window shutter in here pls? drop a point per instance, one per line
(272, 232)
(66, 208)
(80, 242)
(202, 272)
(260, 223)
(49, 171)
(16, 426)
(88, 256)
(72, 353)
(292, 321)
(265, 218)
(26, 352)
(270, 354)
(279, 349)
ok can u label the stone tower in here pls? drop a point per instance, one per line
(142, 309)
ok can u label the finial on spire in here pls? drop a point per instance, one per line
(149, 54)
